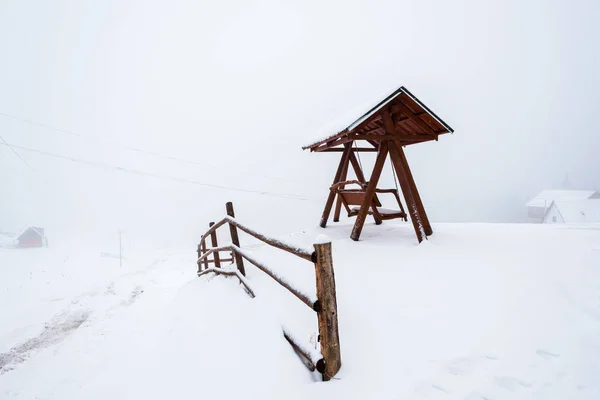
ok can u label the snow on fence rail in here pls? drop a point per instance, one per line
(328, 361)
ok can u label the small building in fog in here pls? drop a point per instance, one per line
(540, 204)
(32, 237)
(573, 212)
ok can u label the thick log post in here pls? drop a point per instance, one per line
(336, 179)
(370, 192)
(239, 261)
(213, 241)
(328, 319)
(415, 192)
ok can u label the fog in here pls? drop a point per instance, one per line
(226, 93)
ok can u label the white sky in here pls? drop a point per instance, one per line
(239, 86)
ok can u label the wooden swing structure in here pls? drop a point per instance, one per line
(398, 120)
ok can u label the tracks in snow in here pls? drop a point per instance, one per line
(54, 332)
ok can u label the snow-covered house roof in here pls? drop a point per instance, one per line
(32, 230)
(413, 119)
(578, 211)
(546, 197)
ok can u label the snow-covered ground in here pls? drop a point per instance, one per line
(481, 311)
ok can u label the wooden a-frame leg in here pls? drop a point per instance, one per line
(336, 179)
(370, 192)
(415, 192)
(361, 178)
(338, 203)
(407, 192)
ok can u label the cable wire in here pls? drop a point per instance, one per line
(163, 177)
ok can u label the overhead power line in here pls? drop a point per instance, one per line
(13, 150)
(129, 148)
(157, 176)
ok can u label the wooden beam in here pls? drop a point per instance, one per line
(361, 178)
(415, 192)
(409, 138)
(336, 179)
(338, 204)
(373, 143)
(407, 192)
(370, 192)
(354, 150)
(328, 145)
(403, 179)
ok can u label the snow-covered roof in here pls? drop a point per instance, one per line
(359, 114)
(38, 231)
(546, 197)
(579, 211)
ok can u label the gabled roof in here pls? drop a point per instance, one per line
(38, 231)
(546, 197)
(411, 118)
(579, 211)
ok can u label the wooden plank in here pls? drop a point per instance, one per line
(370, 192)
(413, 117)
(239, 261)
(213, 241)
(327, 315)
(336, 179)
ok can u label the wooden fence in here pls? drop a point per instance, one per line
(328, 360)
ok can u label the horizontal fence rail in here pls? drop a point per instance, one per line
(327, 361)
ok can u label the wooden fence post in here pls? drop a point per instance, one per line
(203, 249)
(327, 315)
(213, 241)
(239, 261)
(199, 255)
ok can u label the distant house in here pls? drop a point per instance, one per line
(539, 205)
(573, 212)
(32, 237)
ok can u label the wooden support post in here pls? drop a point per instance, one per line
(213, 241)
(370, 192)
(199, 250)
(203, 249)
(336, 179)
(338, 204)
(239, 261)
(328, 319)
(395, 148)
(357, 170)
(407, 192)
(361, 178)
(415, 192)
